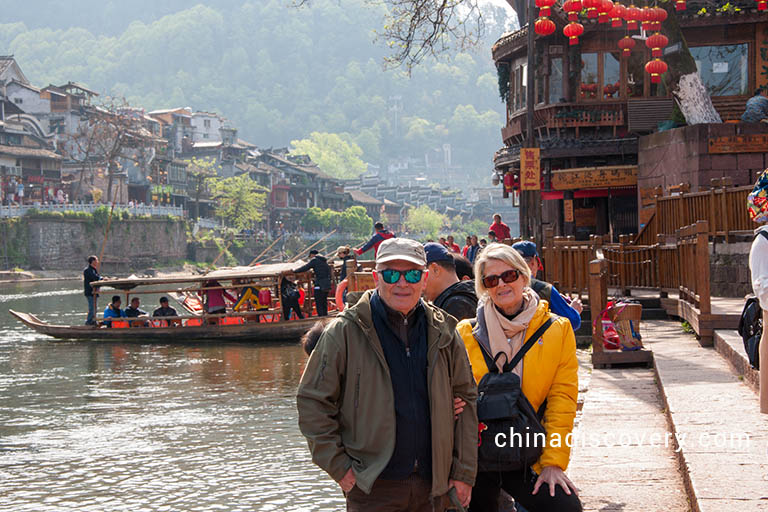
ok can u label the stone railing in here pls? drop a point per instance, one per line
(155, 211)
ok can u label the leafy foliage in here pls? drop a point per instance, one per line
(425, 220)
(240, 201)
(335, 156)
(353, 220)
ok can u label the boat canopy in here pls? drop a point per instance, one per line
(258, 272)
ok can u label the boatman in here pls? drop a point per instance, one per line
(322, 279)
(379, 236)
(91, 274)
(376, 399)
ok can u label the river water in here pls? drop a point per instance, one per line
(112, 427)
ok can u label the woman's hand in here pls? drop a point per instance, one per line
(553, 475)
(458, 407)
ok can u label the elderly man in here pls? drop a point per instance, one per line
(376, 398)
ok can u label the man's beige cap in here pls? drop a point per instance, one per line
(401, 249)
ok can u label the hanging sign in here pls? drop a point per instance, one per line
(595, 177)
(568, 210)
(530, 169)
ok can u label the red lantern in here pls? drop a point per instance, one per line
(680, 5)
(656, 42)
(632, 15)
(617, 14)
(604, 11)
(762, 5)
(661, 15)
(626, 44)
(591, 6)
(545, 7)
(647, 17)
(656, 68)
(572, 31)
(572, 7)
(544, 26)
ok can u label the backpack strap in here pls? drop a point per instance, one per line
(528, 344)
(762, 233)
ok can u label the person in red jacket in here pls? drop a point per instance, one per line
(499, 228)
(452, 246)
(379, 236)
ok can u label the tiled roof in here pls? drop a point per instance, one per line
(359, 196)
(22, 151)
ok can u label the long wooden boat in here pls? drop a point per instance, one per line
(290, 330)
(263, 325)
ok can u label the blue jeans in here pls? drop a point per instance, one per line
(91, 320)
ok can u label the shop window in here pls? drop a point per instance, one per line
(555, 80)
(611, 75)
(723, 69)
(589, 76)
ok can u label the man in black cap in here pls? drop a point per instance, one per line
(165, 310)
(444, 289)
(319, 265)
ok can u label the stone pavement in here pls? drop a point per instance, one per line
(724, 437)
(613, 461)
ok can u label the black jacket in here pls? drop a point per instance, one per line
(321, 269)
(90, 275)
(458, 300)
(133, 313)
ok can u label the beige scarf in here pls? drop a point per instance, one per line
(507, 335)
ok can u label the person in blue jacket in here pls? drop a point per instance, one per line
(113, 311)
(559, 305)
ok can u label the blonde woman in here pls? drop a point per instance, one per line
(508, 313)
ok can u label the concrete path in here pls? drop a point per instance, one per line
(620, 460)
(724, 437)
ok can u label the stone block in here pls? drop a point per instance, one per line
(720, 129)
(746, 161)
(725, 162)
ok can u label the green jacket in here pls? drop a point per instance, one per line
(346, 404)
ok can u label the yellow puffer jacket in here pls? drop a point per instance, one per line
(550, 372)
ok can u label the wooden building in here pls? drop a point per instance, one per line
(592, 105)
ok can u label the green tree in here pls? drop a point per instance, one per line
(313, 219)
(199, 172)
(425, 220)
(240, 201)
(334, 155)
(355, 220)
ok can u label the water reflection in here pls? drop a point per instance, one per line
(93, 427)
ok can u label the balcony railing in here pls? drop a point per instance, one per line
(566, 116)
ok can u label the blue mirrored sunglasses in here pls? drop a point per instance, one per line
(393, 276)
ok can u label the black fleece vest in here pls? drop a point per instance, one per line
(408, 372)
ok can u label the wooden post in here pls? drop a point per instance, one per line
(598, 296)
(702, 266)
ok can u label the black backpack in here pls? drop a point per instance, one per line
(502, 408)
(750, 329)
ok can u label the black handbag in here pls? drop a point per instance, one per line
(511, 436)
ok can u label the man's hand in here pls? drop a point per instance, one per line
(348, 482)
(577, 305)
(463, 491)
(554, 476)
(458, 407)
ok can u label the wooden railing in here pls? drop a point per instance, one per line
(723, 208)
(680, 266)
(568, 115)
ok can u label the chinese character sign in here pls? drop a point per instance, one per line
(530, 172)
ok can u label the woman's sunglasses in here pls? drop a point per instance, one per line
(510, 276)
(393, 276)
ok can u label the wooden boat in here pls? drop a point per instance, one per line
(263, 325)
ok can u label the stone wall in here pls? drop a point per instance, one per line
(131, 244)
(729, 269)
(682, 156)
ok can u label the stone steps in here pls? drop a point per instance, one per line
(730, 345)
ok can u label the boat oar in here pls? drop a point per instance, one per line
(310, 247)
(257, 258)
(221, 253)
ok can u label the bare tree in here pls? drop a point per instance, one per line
(107, 133)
